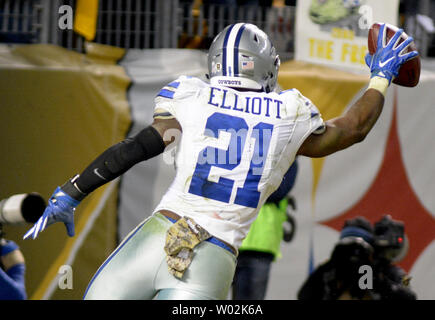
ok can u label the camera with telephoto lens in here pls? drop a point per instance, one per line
(390, 241)
(379, 246)
(391, 246)
(21, 208)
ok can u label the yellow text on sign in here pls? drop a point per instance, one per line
(353, 53)
(321, 49)
(341, 33)
(349, 53)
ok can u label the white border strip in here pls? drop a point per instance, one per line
(230, 49)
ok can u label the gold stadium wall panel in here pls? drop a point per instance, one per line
(59, 110)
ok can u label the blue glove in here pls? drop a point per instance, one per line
(60, 208)
(388, 58)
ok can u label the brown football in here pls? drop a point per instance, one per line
(409, 73)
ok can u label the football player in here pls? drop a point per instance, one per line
(238, 139)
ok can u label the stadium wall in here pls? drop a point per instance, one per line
(59, 110)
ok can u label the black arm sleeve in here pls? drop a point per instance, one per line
(115, 161)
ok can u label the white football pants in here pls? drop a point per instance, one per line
(137, 269)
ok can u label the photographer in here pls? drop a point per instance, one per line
(337, 278)
(362, 245)
(12, 271)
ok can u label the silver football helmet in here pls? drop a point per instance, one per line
(242, 56)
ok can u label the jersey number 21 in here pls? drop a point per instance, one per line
(229, 159)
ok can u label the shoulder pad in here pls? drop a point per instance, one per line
(293, 90)
(180, 86)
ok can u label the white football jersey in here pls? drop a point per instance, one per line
(234, 150)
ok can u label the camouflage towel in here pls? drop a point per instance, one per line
(181, 238)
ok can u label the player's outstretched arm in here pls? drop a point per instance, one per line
(112, 163)
(350, 128)
(354, 125)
